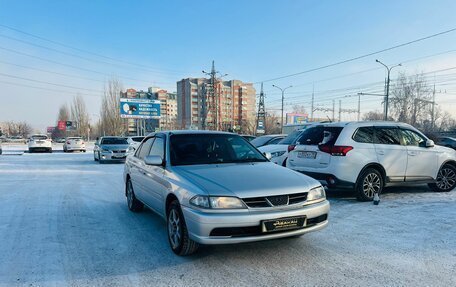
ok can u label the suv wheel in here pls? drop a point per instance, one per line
(369, 183)
(133, 203)
(446, 179)
(178, 238)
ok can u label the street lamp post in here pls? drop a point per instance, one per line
(283, 92)
(387, 85)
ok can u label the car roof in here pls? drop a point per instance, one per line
(365, 123)
(190, 132)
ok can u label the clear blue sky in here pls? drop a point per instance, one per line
(250, 40)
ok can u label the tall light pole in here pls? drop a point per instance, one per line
(387, 85)
(283, 92)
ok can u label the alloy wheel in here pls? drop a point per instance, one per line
(130, 195)
(446, 178)
(174, 229)
(371, 184)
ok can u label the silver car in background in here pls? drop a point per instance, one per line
(113, 149)
(216, 188)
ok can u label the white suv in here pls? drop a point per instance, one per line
(367, 156)
(39, 143)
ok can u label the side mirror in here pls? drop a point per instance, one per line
(430, 143)
(268, 155)
(153, 160)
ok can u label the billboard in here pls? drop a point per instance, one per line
(139, 108)
(297, 118)
(61, 125)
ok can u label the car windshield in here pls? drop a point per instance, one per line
(137, 139)
(114, 141)
(291, 138)
(38, 137)
(192, 149)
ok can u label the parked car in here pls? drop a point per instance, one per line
(74, 144)
(267, 140)
(110, 148)
(60, 140)
(16, 139)
(279, 152)
(447, 141)
(134, 143)
(216, 188)
(39, 142)
(366, 156)
(249, 137)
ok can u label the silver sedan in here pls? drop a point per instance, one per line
(216, 188)
(113, 149)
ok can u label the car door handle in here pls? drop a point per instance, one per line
(380, 152)
(412, 153)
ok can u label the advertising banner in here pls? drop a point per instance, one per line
(61, 125)
(296, 119)
(139, 108)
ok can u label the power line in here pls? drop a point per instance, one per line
(47, 89)
(48, 83)
(74, 67)
(79, 49)
(360, 57)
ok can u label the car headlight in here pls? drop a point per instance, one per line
(104, 150)
(277, 153)
(316, 193)
(217, 202)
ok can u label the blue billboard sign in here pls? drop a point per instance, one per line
(139, 108)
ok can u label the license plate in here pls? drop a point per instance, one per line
(39, 142)
(280, 224)
(307, 154)
(119, 156)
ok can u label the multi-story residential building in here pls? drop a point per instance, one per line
(230, 107)
(168, 110)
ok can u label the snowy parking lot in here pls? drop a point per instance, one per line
(64, 222)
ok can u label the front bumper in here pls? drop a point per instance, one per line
(82, 147)
(110, 156)
(200, 224)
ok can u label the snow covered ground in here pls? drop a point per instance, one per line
(64, 222)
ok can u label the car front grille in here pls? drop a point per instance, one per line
(276, 200)
(119, 151)
(256, 230)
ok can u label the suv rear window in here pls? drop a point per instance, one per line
(291, 138)
(364, 135)
(319, 135)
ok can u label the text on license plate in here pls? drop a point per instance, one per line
(307, 154)
(283, 223)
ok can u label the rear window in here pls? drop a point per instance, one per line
(260, 141)
(364, 135)
(39, 137)
(291, 138)
(319, 135)
(114, 141)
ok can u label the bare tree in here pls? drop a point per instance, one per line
(272, 123)
(299, 109)
(410, 99)
(373, 116)
(79, 115)
(22, 129)
(110, 121)
(64, 113)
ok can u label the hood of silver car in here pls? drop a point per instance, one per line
(246, 179)
(114, 146)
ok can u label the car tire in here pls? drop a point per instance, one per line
(30, 150)
(369, 182)
(178, 237)
(446, 179)
(133, 203)
(284, 163)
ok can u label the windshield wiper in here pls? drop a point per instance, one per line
(249, 160)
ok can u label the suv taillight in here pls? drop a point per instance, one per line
(68, 142)
(291, 147)
(335, 150)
